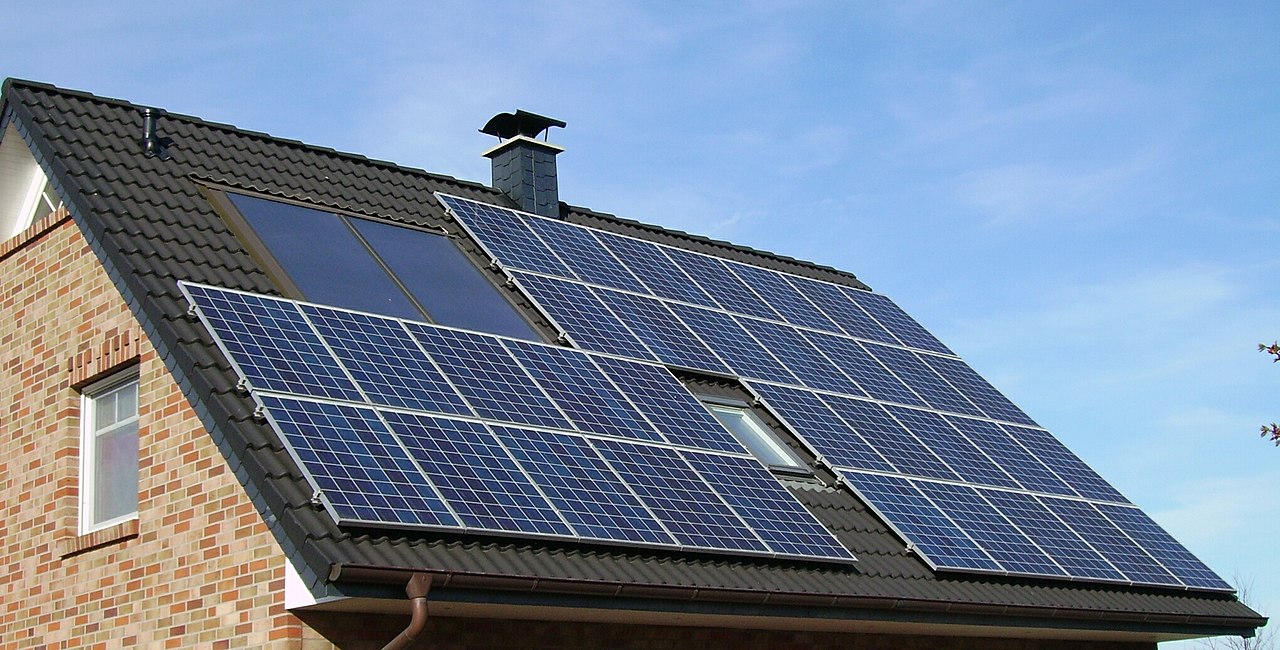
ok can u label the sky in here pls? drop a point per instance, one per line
(1080, 198)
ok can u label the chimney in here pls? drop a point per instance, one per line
(524, 168)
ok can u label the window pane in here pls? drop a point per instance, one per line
(452, 290)
(323, 257)
(115, 489)
(752, 433)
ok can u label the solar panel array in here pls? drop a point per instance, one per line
(408, 425)
(961, 472)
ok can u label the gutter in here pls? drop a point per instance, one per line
(375, 575)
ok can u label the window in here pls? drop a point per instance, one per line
(753, 433)
(373, 266)
(109, 452)
(25, 194)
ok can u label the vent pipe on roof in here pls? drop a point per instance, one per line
(524, 168)
(153, 145)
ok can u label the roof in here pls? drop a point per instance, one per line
(150, 225)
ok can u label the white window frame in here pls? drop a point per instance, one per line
(88, 446)
(761, 432)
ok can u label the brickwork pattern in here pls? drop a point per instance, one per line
(198, 568)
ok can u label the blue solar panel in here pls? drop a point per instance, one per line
(744, 354)
(384, 360)
(830, 437)
(681, 500)
(476, 475)
(957, 451)
(889, 438)
(666, 336)
(271, 344)
(586, 258)
(1163, 547)
(505, 235)
(771, 511)
(1026, 469)
(922, 379)
(1136, 564)
(985, 525)
(800, 356)
(359, 468)
(773, 287)
(937, 538)
(973, 386)
(582, 391)
(656, 270)
(841, 309)
(875, 380)
(590, 496)
(588, 322)
(731, 293)
(488, 377)
(894, 319)
(1051, 535)
(669, 405)
(1065, 464)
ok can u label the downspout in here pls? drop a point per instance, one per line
(417, 588)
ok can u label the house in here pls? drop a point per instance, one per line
(220, 433)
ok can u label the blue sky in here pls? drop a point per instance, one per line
(1080, 198)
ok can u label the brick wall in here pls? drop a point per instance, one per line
(198, 568)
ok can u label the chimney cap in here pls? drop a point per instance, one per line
(509, 125)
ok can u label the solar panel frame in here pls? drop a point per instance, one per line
(872, 377)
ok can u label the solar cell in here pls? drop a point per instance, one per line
(585, 257)
(656, 270)
(666, 336)
(800, 356)
(1136, 564)
(1071, 552)
(886, 436)
(1163, 547)
(385, 362)
(1069, 467)
(894, 319)
(669, 405)
(271, 344)
(814, 422)
(476, 475)
(580, 314)
(973, 386)
(590, 496)
(922, 379)
(582, 391)
(875, 380)
(356, 464)
(682, 501)
(488, 377)
(505, 235)
(846, 314)
(1026, 469)
(985, 525)
(779, 294)
(743, 353)
(768, 508)
(925, 527)
(731, 293)
(957, 451)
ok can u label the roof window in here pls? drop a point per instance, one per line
(755, 435)
(372, 266)
(26, 195)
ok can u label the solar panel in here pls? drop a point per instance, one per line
(582, 391)
(488, 377)
(872, 377)
(768, 508)
(822, 430)
(952, 447)
(359, 468)
(1118, 548)
(666, 336)
(1013, 458)
(1007, 545)
(926, 383)
(731, 293)
(973, 386)
(1066, 465)
(505, 235)
(743, 353)
(846, 314)
(890, 438)
(800, 356)
(773, 287)
(271, 344)
(1162, 547)
(476, 475)
(668, 405)
(590, 495)
(894, 319)
(681, 500)
(584, 255)
(574, 309)
(385, 361)
(656, 270)
(1061, 543)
